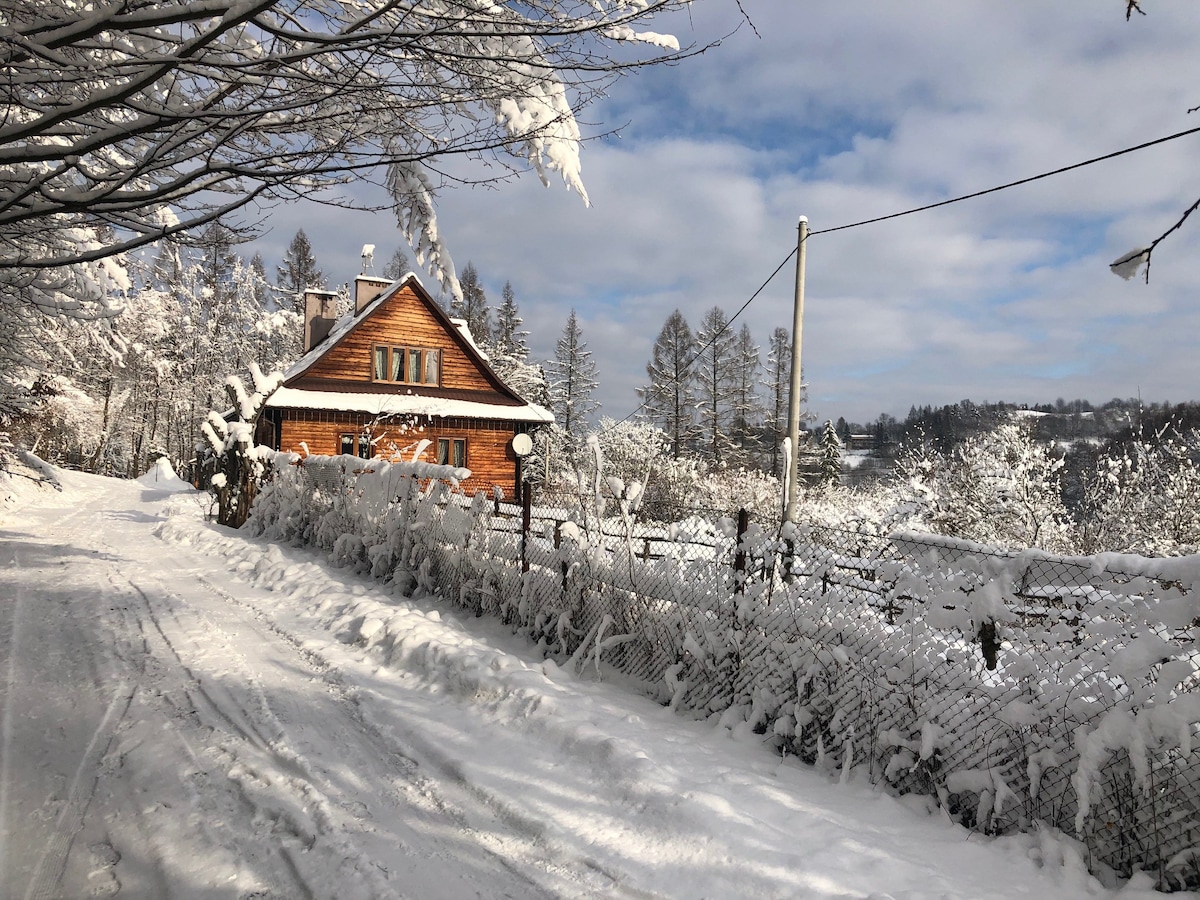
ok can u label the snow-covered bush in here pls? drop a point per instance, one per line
(1142, 497)
(998, 487)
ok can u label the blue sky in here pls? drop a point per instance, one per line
(841, 112)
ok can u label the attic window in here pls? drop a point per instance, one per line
(406, 365)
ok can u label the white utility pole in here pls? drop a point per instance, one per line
(793, 487)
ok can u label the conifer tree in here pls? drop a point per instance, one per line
(830, 450)
(572, 375)
(669, 398)
(299, 271)
(473, 307)
(714, 375)
(509, 339)
(510, 354)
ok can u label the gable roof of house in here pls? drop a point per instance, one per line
(402, 400)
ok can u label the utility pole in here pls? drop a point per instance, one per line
(793, 487)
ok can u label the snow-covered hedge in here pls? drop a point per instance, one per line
(1016, 688)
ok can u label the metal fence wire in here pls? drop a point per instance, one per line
(1018, 689)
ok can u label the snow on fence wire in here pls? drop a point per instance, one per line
(1021, 690)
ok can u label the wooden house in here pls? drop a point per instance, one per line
(398, 377)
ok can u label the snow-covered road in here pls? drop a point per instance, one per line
(161, 738)
(190, 713)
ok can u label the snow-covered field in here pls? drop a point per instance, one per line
(191, 713)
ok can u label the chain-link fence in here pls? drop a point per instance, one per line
(1020, 690)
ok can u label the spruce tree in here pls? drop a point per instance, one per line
(572, 375)
(473, 306)
(299, 271)
(510, 355)
(830, 450)
(509, 339)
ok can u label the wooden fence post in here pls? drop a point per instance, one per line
(526, 518)
(739, 556)
(558, 524)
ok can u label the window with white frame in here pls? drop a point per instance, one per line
(407, 365)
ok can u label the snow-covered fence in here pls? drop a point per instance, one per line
(1018, 689)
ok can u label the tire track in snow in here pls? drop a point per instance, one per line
(161, 662)
(49, 872)
(6, 725)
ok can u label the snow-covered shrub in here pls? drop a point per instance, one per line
(728, 490)
(1142, 497)
(998, 487)
(240, 465)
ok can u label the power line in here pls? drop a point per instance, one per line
(1011, 184)
(720, 331)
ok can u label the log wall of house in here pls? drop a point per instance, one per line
(403, 321)
(489, 442)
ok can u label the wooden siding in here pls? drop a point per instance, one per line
(489, 442)
(403, 321)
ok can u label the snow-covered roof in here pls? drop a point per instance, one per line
(377, 404)
(465, 330)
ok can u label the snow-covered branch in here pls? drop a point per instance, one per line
(113, 111)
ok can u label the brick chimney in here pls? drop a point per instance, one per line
(320, 312)
(366, 289)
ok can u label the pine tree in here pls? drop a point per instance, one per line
(299, 271)
(669, 398)
(473, 307)
(572, 375)
(509, 339)
(830, 449)
(714, 375)
(510, 355)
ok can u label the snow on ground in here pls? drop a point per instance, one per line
(191, 713)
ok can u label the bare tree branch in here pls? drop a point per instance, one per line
(1149, 250)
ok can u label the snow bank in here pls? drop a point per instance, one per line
(161, 476)
(25, 480)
